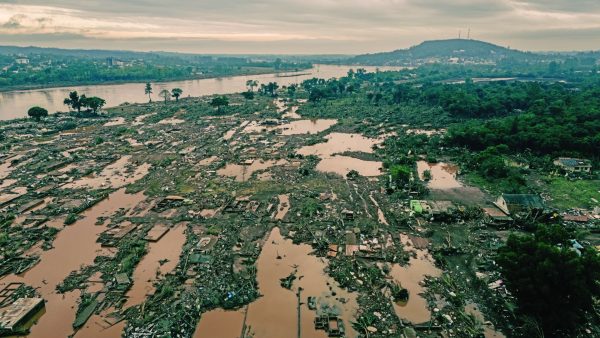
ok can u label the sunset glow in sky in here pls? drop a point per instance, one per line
(297, 26)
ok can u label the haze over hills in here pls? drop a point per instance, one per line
(454, 50)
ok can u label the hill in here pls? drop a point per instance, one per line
(443, 50)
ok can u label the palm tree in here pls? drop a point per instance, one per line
(148, 91)
(176, 93)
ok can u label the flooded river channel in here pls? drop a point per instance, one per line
(14, 104)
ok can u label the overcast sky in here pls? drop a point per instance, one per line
(297, 26)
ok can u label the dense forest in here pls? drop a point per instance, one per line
(22, 68)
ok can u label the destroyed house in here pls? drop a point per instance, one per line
(573, 165)
(516, 203)
(433, 208)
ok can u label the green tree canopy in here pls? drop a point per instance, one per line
(219, 101)
(37, 112)
(176, 92)
(94, 103)
(74, 101)
(552, 282)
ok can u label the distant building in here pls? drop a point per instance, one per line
(574, 165)
(110, 61)
(22, 61)
(515, 203)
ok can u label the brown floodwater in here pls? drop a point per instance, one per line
(292, 113)
(284, 206)
(101, 326)
(411, 276)
(114, 175)
(275, 314)
(443, 175)
(243, 172)
(342, 142)
(220, 323)
(288, 113)
(150, 270)
(342, 165)
(339, 143)
(74, 246)
(306, 126)
(6, 167)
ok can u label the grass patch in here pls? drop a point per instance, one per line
(573, 194)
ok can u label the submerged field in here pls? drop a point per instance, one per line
(253, 220)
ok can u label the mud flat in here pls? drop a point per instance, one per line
(74, 246)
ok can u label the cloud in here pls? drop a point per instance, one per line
(14, 21)
(305, 26)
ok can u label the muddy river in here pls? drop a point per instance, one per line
(14, 104)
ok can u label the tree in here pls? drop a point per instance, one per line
(270, 88)
(251, 84)
(248, 95)
(176, 92)
(37, 112)
(219, 102)
(74, 101)
(400, 173)
(552, 282)
(166, 94)
(148, 91)
(291, 89)
(94, 103)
